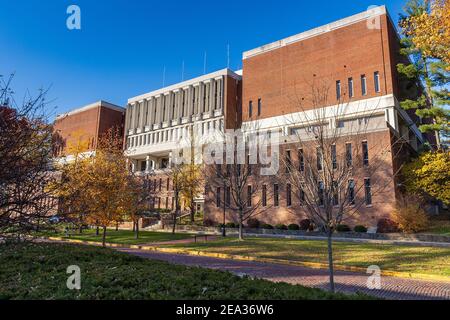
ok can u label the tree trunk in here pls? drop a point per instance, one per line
(80, 230)
(174, 223)
(117, 226)
(136, 227)
(330, 259)
(192, 213)
(97, 231)
(104, 237)
(241, 229)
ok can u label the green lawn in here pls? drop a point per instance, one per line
(127, 237)
(441, 227)
(425, 260)
(38, 271)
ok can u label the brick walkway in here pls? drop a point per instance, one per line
(391, 287)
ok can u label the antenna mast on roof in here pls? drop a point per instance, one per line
(204, 64)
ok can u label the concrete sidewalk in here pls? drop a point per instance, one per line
(347, 282)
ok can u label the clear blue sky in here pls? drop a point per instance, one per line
(123, 45)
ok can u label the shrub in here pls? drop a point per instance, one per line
(410, 216)
(305, 224)
(208, 223)
(361, 229)
(343, 228)
(281, 226)
(220, 225)
(253, 223)
(231, 225)
(266, 226)
(385, 225)
(293, 227)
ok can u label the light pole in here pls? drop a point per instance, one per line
(224, 229)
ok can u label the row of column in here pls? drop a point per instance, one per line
(181, 103)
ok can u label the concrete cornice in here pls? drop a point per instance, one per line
(371, 13)
(100, 103)
(185, 84)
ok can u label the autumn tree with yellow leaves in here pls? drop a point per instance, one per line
(426, 41)
(429, 28)
(99, 188)
(429, 175)
(192, 182)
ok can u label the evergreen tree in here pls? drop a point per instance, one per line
(427, 77)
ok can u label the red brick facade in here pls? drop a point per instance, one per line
(89, 122)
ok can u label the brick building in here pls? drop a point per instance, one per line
(354, 59)
(87, 123)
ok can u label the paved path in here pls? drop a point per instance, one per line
(391, 287)
(200, 238)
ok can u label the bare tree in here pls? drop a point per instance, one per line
(241, 179)
(333, 177)
(25, 162)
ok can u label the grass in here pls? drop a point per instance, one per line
(426, 260)
(127, 236)
(38, 271)
(440, 227)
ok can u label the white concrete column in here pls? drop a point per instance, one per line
(202, 101)
(189, 101)
(142, 114)
(147, 164)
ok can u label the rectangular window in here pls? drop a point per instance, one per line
(301, 160)
(160, 184)
(168, 184)
(320, 192)
(219, 170)
(288, 195)
(376, 79)
(351, 192)
(365, 150)
(350, 87)
(259, 106)
(335, 193)
(228, 197)
(333, 156)
(302, 195)
(276, 199)
(363, 85)
(367, 191)
(319, 159)
(250, 108)
(288, 161)
(348, 154)
(264, 195)
(218, 197)
(338, 89)
(249, 196)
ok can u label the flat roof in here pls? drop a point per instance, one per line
(100, 103)
(186, 83)
(370, 13)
